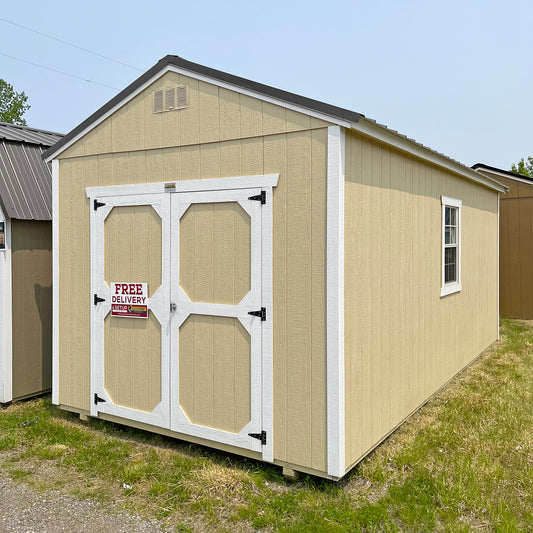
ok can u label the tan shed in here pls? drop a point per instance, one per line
(516, 242)
(25, 262)
(263, 273)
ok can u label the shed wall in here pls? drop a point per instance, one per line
(221, 134)
(32, 306)
(516, 248)
(402, 340)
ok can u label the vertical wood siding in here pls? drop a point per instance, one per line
(207, 141)
(403, 341)
(516, 249)
(32, 306)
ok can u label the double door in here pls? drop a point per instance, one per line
(195, 364)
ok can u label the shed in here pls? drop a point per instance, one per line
(260, 272)
(516, 242)
(25, 262)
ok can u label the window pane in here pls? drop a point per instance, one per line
(450, 235)
(447, 215)
(450, 265)
(453, 216)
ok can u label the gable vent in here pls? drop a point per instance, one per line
(170, 99)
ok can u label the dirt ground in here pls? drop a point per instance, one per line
(25, 510)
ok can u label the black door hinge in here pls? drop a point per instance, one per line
(97, 299)
(262, 313)
(97, 399)
(98, 204)
(259, 198)
(259, 436)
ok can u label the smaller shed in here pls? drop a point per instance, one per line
(516, 242)
(25, 262)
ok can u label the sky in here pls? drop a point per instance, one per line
(456, 76)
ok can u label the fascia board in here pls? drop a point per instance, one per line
(384, 135)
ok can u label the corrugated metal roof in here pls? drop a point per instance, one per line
(25, 179)
(13, 132)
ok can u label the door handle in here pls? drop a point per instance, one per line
(172, 307)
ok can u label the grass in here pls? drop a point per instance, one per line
(463, 463)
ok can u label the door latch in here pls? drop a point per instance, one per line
(172, 307)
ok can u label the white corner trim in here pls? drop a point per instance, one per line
(404, 144)
(55, 282)
(209, 184)
(335, 303)
(498, 268)
(451, 288)
(6, 318)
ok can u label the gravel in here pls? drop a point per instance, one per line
(25, 510)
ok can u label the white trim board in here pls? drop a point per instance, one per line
(453, 287)
(208, 184)
(55, 282)
(214, 189)
(335, 303)
(6, 310)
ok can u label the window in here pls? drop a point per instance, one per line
(451, 246)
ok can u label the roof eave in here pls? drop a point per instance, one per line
(378, 132)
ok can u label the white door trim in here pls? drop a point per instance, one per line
(251, 302)
(265, 183)
(158, 304)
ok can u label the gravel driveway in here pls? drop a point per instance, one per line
(24, 510)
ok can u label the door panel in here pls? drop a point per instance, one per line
(215, 252)
(216, 343)
(214, 369)
(132, 362)
(195, 365)
(131, 237)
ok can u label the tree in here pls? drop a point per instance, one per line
(524, 167)
(12, 104)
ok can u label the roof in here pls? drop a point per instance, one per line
(338, 115)
(25, 179)
(14, 132)
(503, 173)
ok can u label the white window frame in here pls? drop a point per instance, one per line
(454, 286)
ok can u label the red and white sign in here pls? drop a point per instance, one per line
(129, 300)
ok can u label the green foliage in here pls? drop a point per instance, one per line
(12, 104)
(524, 167)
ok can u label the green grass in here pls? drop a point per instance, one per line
(464, 462)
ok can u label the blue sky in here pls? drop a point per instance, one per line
(456, 76)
